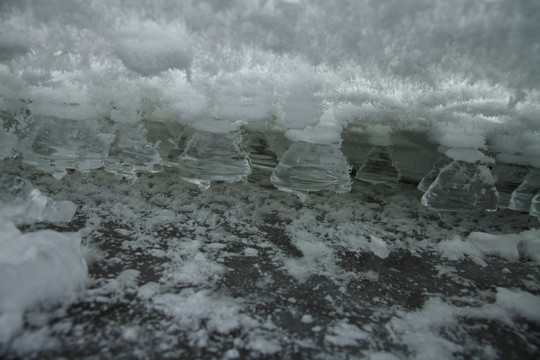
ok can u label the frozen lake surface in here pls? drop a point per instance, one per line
(245, 271)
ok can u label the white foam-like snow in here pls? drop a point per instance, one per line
(216, 66)
(39, 268)
(479, 244)
(423, 330)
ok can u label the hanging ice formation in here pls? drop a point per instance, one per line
(213, 157)
(462, 186)
(379, 168)
(130, 153)
(169, 139)
(507, 180)
(521, 198)
(56, 145)
(430, 177)
(307, 167)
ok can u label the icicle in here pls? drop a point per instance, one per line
(131, 153)
(462, 186)
(307, 167)
(213, 157)
(378, 168)
(59, 144)
(427, 180)
(507, 180)
(522, 197)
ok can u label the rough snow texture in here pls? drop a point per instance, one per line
(37, 269)
(244, 271)
(446, 69)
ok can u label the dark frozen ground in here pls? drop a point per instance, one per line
(246, 271)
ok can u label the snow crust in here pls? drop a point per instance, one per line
(462, 73)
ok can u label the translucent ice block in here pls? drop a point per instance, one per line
(378, 168)
(56, 144)
(131, 153)
(42, 208)
(14, 192)
(462, 186)
(430, 177)
(169, 139)
(307, 167)
(521, 198)
(213, 157)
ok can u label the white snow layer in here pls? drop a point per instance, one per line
(36, 269)
(465, 73)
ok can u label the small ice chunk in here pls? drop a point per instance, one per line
(232, 354)
(378, 247)
(21, 202)
(130, 334)
(43, 208)
(251, 252)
